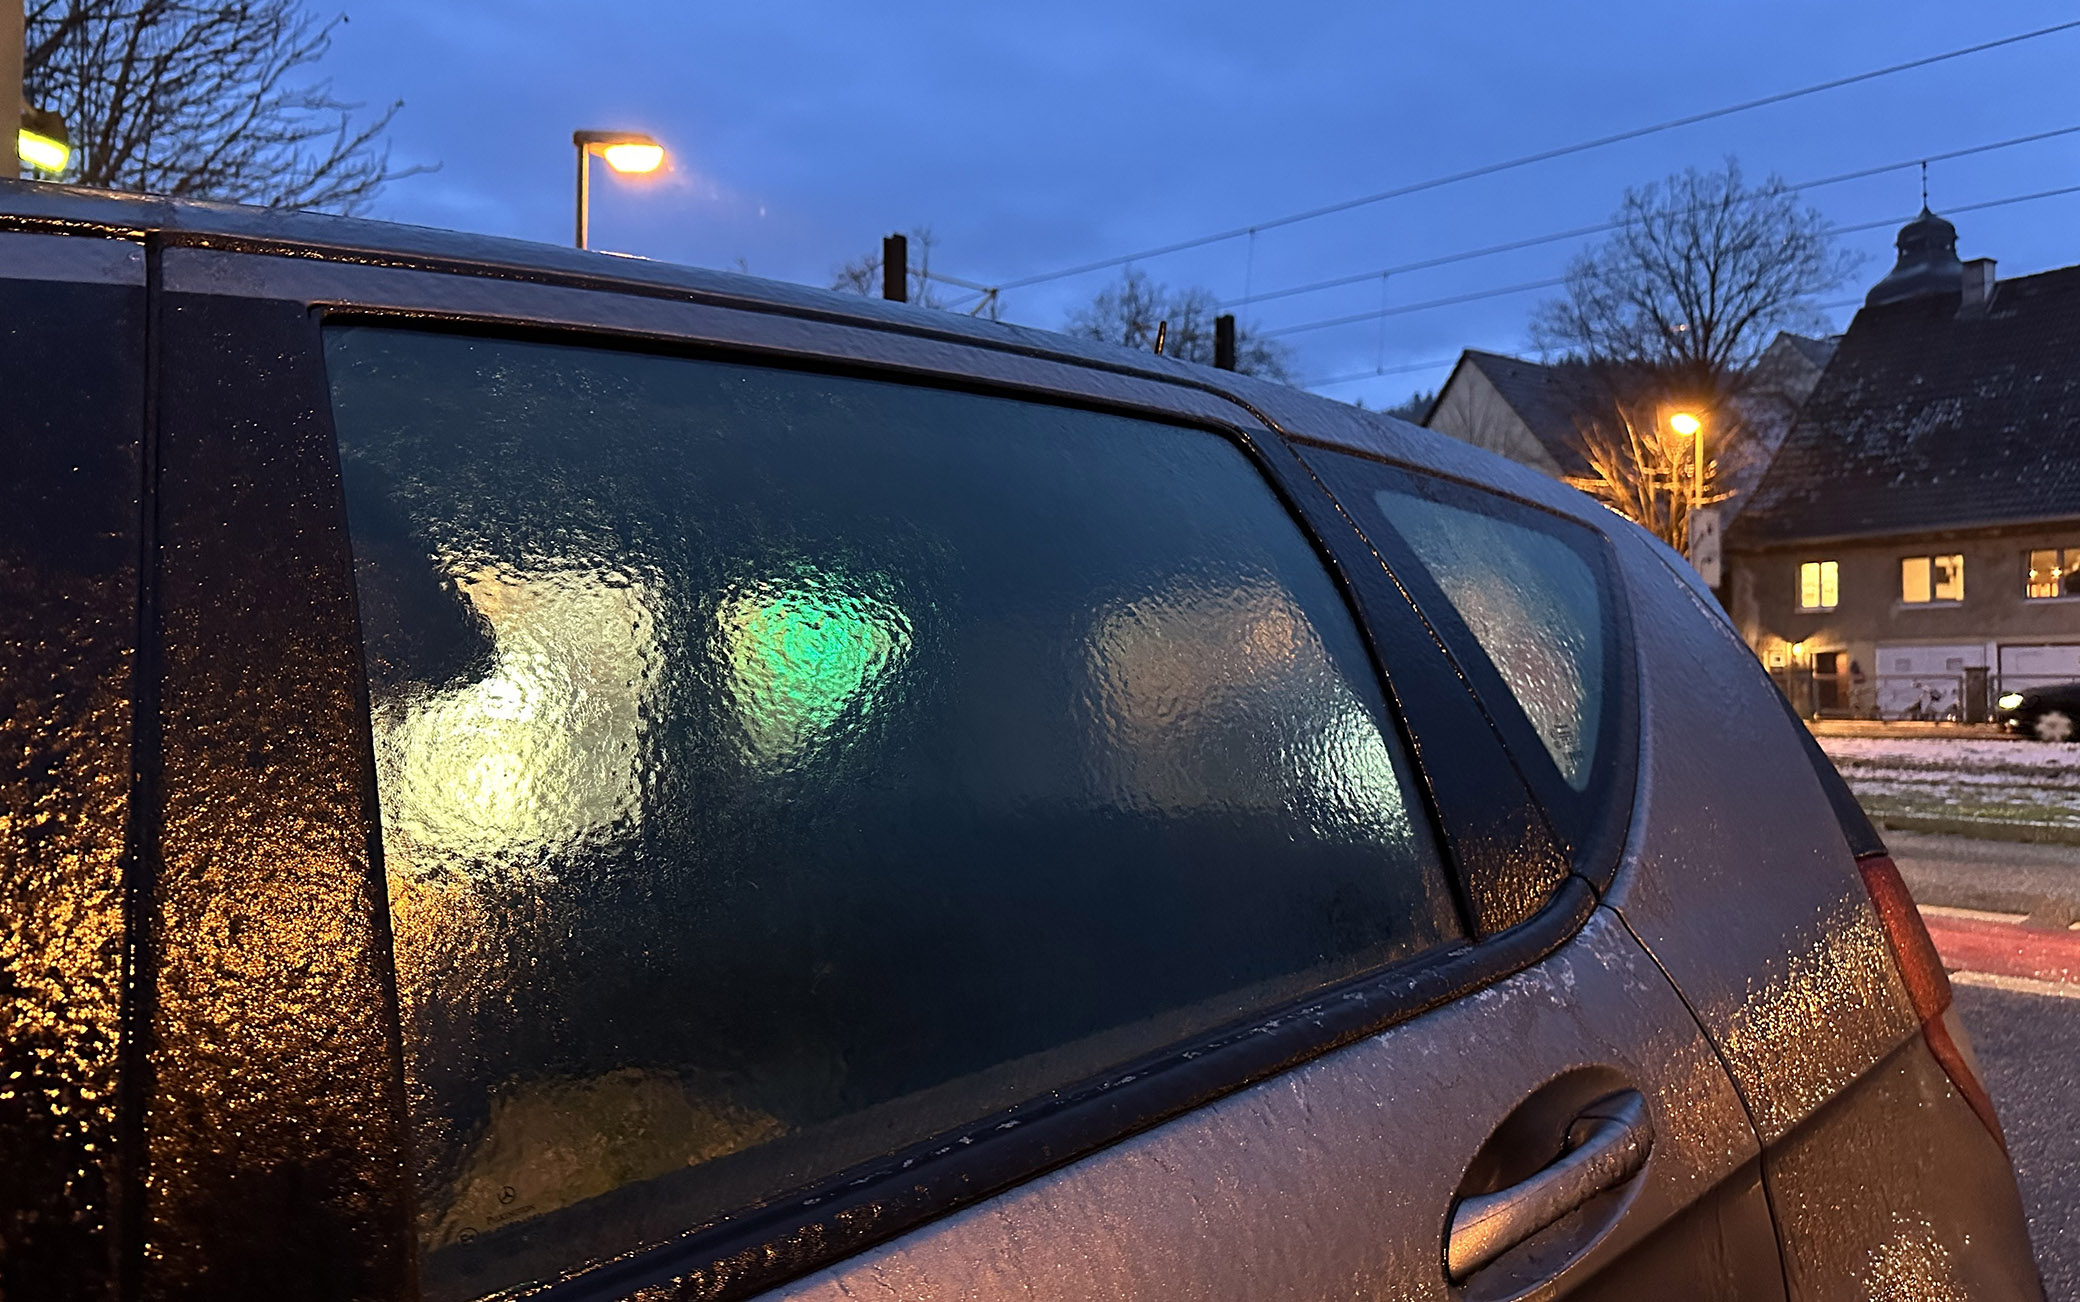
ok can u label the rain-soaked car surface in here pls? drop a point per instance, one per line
(537, 774)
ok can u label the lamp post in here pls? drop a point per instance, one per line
(13, 48)
(625, 151)
(1702, 524)
(1690, 427)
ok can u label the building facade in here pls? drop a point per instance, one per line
(1913, 549)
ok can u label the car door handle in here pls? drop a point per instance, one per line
(1606, 1146)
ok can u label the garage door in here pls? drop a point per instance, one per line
(1924, 681)
(2030, 666)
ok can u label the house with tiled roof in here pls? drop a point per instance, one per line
(1534, 412)
(1914, 546)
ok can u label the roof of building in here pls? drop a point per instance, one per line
(1815, 352)
(1551, 399)
(1927, 262)
(1556, 400)
(1927, 419)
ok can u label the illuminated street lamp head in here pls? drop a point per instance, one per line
(43, 143)
(633, 158)
(625, 151)
(1685, 424)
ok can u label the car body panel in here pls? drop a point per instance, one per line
(1880, 1175)
(72, 367)
(1334, 1180)
(275, 1103)
(1738, 880)
(1895, 1189)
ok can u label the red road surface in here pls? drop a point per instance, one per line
(2005, 948)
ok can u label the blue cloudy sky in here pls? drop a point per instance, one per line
(1034, 137)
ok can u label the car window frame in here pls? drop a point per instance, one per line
(806, 1229)
(1593, 821)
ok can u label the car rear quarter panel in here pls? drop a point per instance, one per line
(1740, 882)
(1738, 878)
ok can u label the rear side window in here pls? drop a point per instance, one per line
(1527, 603)
(778, 769)
(1528, 597)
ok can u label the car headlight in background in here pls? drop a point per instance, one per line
(2010, 701)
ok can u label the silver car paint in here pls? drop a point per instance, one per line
(1334, 1180)
(1739, 880)
(1895, 1190)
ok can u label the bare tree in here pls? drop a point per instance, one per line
(1129, 311)
(1702, 272)
(1644, 471)
(203, 100)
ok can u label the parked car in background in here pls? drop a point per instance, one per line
(2048, 713)
(530, 773)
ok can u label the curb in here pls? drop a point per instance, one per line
(1985, 829)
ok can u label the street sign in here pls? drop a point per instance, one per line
(1704, 544)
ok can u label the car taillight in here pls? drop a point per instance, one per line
(1928, 986)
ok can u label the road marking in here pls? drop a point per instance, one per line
(2017, 985)
(2005, 949)
(1976, 915)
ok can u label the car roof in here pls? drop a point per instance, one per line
(29, 206)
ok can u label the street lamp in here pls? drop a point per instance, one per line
(1702, 527)
(625, 151)
(42, 142)
(1690, 427)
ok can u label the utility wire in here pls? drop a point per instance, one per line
(1963, 207)
(1355, 376)
(1605, 228)
(1402, 309)
(1544, 155)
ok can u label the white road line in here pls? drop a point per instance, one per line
(2018, 985)
(1976, 915)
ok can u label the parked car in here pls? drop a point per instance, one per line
(2045, 712)
(531, 772)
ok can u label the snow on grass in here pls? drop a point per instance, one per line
(1962, 778)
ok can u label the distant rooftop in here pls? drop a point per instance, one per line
(1933, 417)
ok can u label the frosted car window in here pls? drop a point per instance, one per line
(1531, 601)
(778, 769)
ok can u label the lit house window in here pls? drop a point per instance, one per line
(1819, 585)
(2054, 573)
(1925, 579)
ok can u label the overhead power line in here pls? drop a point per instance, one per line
(1404, 369)
(1604, 228)
(1402, 309)
(1982, 206)
(1544, 155)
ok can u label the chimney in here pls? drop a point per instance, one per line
(1978, 287)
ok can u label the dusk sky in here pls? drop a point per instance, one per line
(1032, 138)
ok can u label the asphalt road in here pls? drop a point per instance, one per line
(2027, 1045)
